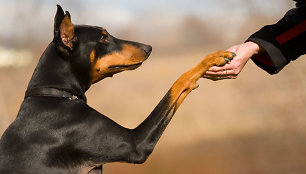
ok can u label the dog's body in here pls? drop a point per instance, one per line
(56, 132)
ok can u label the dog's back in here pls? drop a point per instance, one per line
(30, 144)
(56, 132)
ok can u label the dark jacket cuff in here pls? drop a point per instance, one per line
(272, 60)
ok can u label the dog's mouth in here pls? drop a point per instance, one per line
(131, 66)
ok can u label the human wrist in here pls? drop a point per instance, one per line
(253, 47)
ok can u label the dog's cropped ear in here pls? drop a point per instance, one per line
(64, 36)
(58, 19)
(67, 32)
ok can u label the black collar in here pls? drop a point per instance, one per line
(53, 92)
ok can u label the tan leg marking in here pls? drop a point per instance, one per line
(187, 82)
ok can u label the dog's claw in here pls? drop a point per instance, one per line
(230, 58)
(227, 60)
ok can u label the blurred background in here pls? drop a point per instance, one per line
(255, 124)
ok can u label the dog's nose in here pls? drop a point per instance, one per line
(147, 49)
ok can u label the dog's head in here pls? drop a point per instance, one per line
(93, 51)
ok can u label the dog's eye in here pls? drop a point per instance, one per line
(103, 38)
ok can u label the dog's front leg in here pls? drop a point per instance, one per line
(149, 131)
(110, 142)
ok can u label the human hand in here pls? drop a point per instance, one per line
(232, 69)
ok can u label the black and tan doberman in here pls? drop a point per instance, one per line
(56, 132)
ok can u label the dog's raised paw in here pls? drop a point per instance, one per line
(228, 59)
(220, 58)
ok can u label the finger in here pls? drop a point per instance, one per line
(215, 73)
(215, 78)
(216, 69)
(221, 73)
(220, 68)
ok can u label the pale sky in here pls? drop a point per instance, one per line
(17, 16)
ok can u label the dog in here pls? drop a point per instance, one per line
(56, 132)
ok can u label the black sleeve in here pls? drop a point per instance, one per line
(283, 42)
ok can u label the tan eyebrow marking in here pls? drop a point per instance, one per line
(92, 56)
(104, 32)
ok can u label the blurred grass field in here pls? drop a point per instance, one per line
(254, 124)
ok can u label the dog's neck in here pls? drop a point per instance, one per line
(54, 71)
